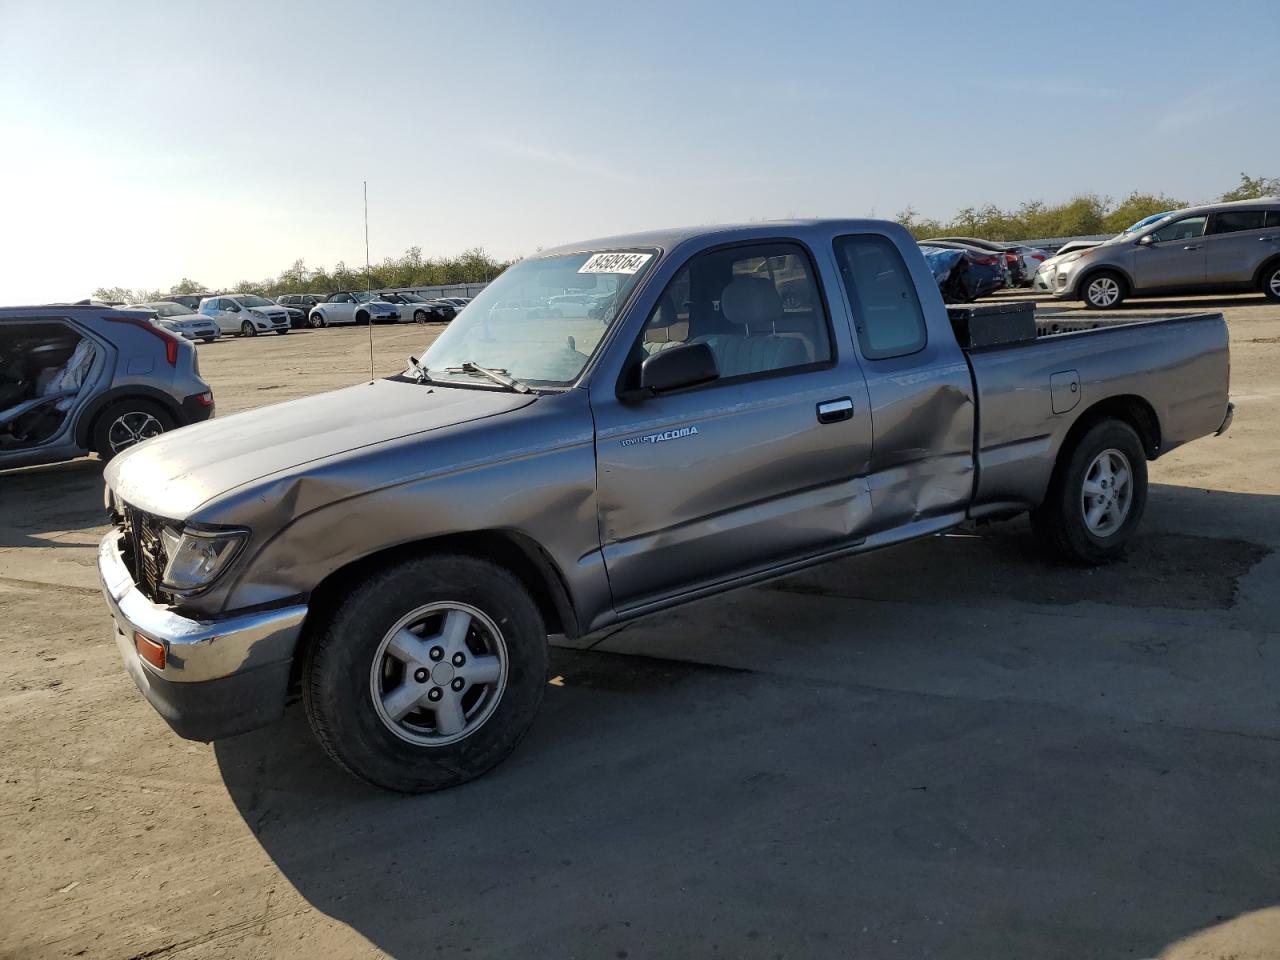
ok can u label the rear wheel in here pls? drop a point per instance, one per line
(428, 674)
(247, 329)
(419, 316)
(1096, 497)
(126, 423)
(1103, 290)
(1271, 281)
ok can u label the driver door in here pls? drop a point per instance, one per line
(341, 308)
(1175, 257)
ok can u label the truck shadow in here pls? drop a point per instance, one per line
(741, 808)
(59, 498)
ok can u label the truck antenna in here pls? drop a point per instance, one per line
(368, 276)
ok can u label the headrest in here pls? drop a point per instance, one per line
(751, 301)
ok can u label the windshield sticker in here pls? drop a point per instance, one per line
(661, 437)
(615, 262)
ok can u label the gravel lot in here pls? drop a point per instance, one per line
(947, 749)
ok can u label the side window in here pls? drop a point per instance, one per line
(341, 298)
(1233, 221)
(1273, 218)
(1188, 228)
(886, 309)
(757, 307)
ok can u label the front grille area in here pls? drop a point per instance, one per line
(143, 551)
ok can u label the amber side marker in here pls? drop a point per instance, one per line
(149, 650)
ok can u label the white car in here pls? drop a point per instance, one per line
(245, 314)
(348, 306)
(179, 319)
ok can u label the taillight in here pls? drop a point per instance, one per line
(1038, 256)
(991, 261)
(171, 341)
(1011, 257)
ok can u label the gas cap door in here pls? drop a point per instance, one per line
(1064, 390)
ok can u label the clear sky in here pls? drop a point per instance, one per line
(142, 142)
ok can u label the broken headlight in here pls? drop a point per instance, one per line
(196, 557)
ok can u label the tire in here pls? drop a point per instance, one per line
(208, 339)
(1062, 523)
(347, 701)
(1271, 281)
(316, 320)
(281, 333)
(128, 422)
(1103, 290)
(362, 319)
(247, 329)
(419, 316)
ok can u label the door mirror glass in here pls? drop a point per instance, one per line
(683, 366)
(1145, 241)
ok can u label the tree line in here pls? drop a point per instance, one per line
(411, 269)
(1082, 215)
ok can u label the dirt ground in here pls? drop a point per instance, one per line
(947, 749)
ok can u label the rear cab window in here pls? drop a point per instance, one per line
(887, 316)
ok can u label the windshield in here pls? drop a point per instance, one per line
(523, 324)
(412, 298)
(254, 302)
(364, 297)
(167, 309)
(1144, 222)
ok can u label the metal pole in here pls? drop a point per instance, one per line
(368, 277)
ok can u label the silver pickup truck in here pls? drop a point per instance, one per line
(721, 405)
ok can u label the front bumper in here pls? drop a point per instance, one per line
(221, 677)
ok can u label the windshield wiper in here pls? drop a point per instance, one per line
(496, 375)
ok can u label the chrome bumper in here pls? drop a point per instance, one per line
(195, 650)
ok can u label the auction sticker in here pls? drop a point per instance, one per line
(615, 262)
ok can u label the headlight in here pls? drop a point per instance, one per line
(1071, 257)
(196, 557)
(259, 314)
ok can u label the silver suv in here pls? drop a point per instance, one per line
(76, 379)
(1223, 247)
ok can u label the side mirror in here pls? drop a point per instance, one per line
(1145, 240)
(678, 367)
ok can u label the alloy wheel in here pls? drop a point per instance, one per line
(1107, 493)
(132, 428)
(438, 674)
(1103, 291)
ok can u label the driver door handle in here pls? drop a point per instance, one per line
(833, 411)
(1192, 247)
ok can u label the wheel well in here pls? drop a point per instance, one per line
(1094, 271)
(1127, 408)
(1266, 268)
(519, 554)
(89, 418)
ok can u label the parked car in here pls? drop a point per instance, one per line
(403, 548)
(347, 306)
(962, 274)
(1044, 278)
(299, 306)
(190, 301)
(245, 314)
(176, 317)
(419, 309)
(1223, 247)
(81, 379)
(446, 307)
(1023, 261)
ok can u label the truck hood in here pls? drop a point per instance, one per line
(175, 473)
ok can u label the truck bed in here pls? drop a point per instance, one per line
(1170, 370)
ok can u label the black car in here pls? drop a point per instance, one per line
(299, 306)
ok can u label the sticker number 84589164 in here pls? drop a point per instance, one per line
(623, 262)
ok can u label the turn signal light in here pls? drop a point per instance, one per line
(149, 650)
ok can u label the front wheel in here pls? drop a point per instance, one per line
(247, 329)
(1271, 282)
(419, 316)
(1104, 290)
(316, 320)
(281, 333)
(362, 319)
(1096, 497)
(428, 674)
